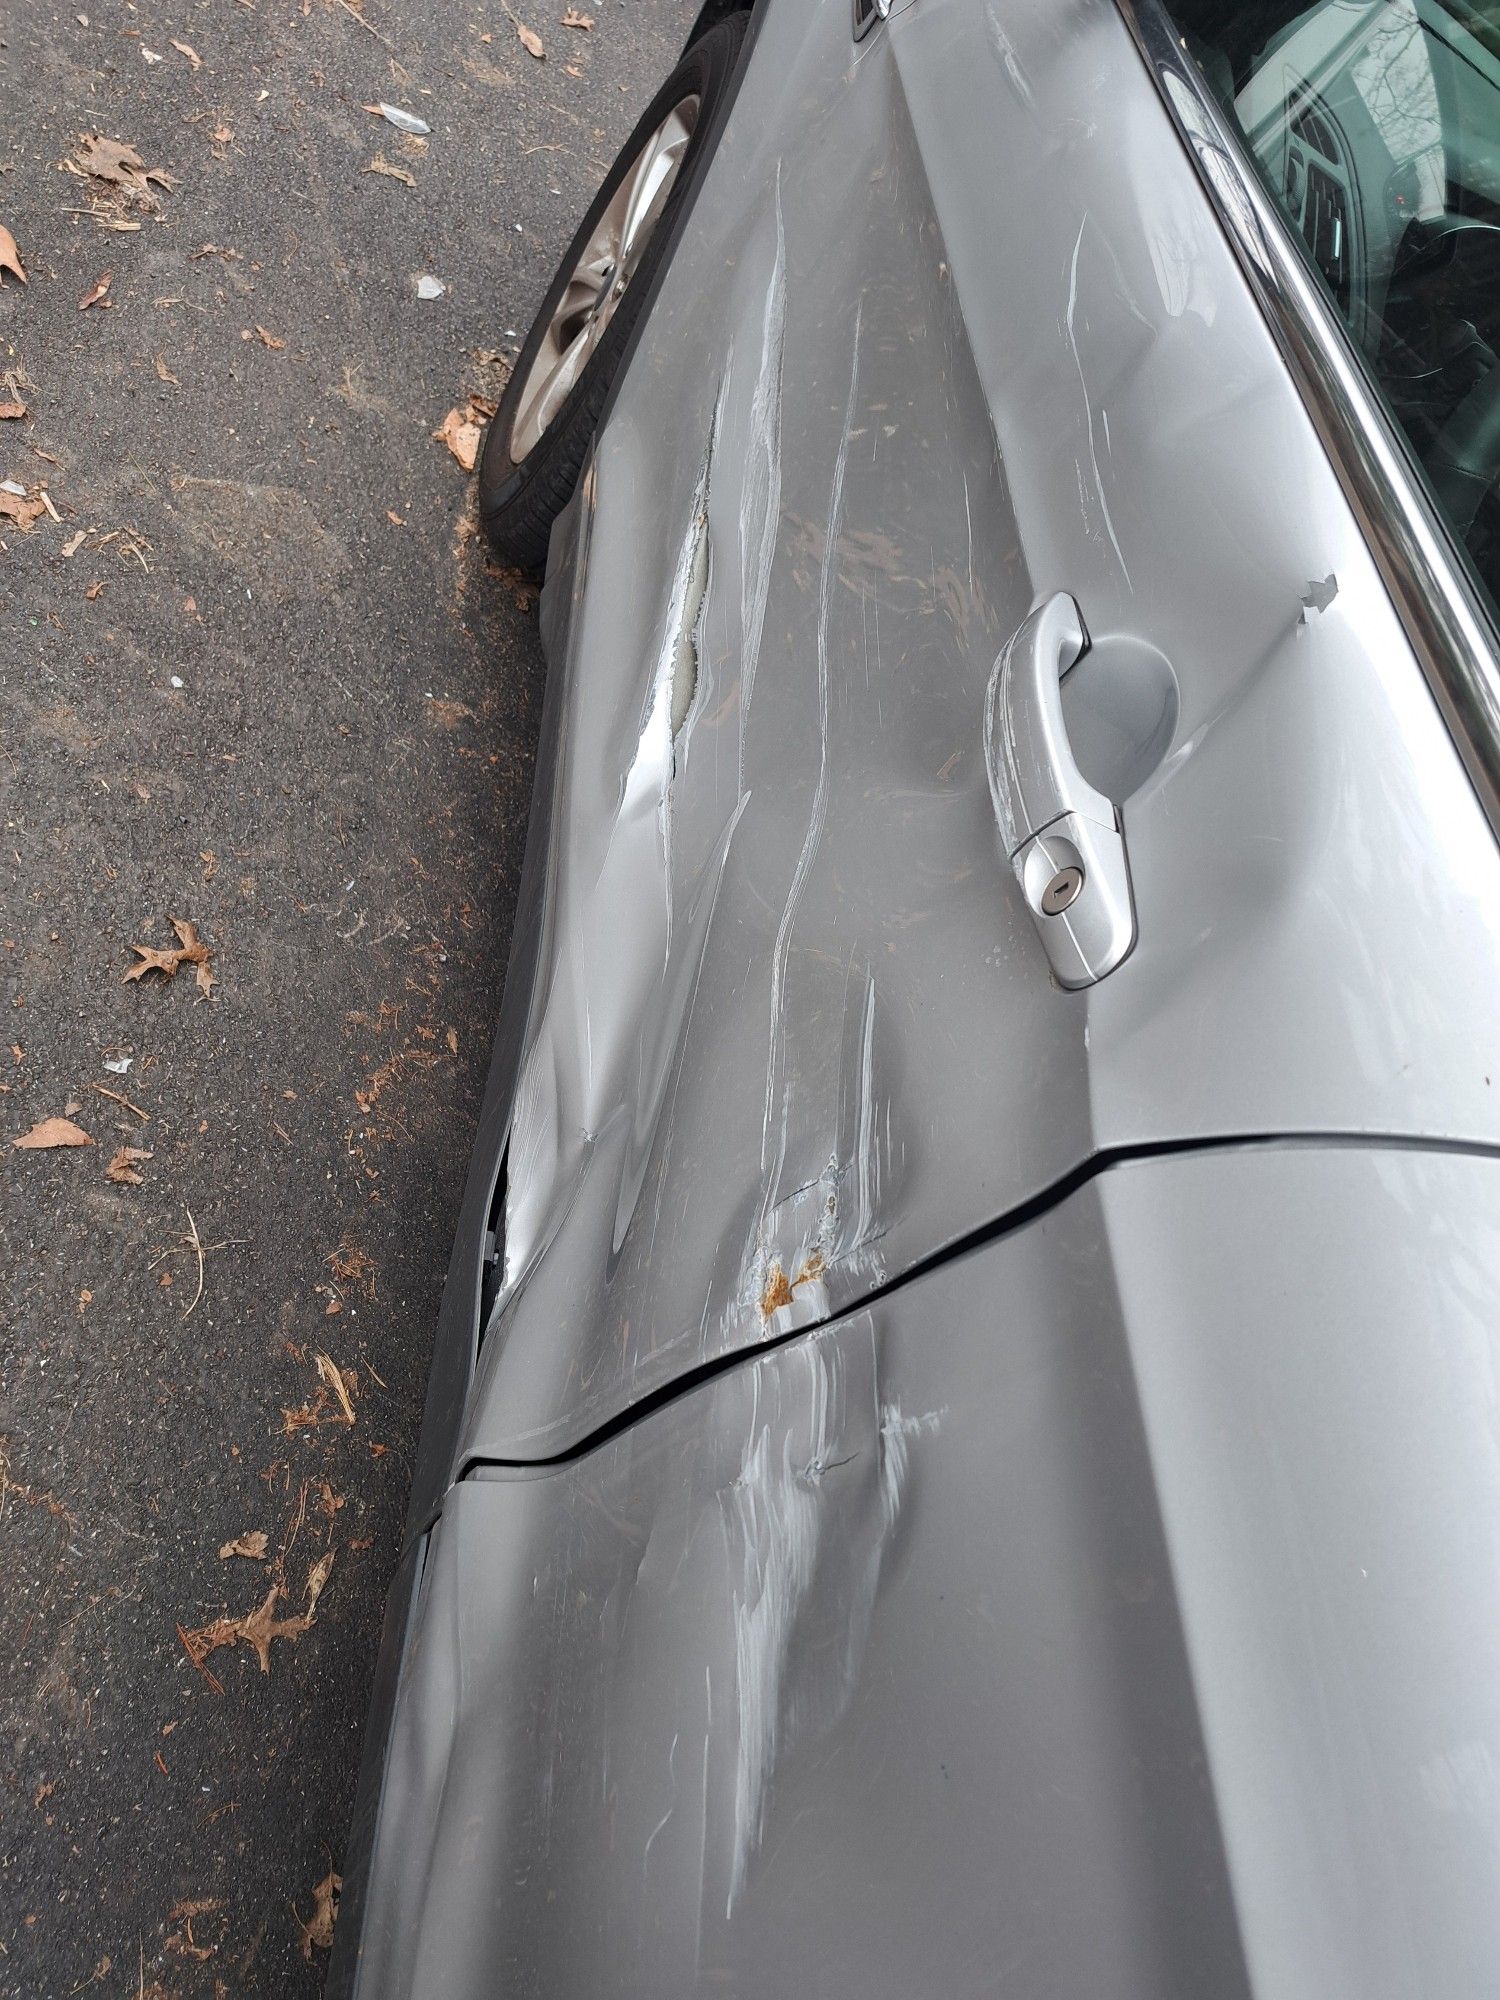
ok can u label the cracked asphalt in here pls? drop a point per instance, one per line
(257, 677)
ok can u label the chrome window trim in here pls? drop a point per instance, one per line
(1448, 628)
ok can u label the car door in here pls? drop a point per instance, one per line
(953, 336)
(1110, 1611)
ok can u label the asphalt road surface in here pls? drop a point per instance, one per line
(257, 676)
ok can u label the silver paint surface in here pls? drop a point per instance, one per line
(1112, 1611)
(791, 1029)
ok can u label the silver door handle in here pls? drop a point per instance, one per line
(1063, 837)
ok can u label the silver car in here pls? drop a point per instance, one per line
(963, 1450)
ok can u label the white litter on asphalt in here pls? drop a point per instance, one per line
(430, 288)
(404, 121)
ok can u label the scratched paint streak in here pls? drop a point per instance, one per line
(1088, 406)
(760, 513)
(772, 1160)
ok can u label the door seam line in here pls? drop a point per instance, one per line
(1019, 1216)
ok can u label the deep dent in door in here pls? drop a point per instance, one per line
(790, 1031)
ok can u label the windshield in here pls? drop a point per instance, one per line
(1377, 128)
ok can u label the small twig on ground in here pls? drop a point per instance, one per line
(116, 1098)
(198, 1247)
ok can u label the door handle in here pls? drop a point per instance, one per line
(1062, 835)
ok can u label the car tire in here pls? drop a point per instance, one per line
(540, 434)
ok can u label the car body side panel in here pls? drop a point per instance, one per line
(1114, 1610)
(953, 328)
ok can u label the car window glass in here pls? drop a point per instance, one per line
(1377, 128)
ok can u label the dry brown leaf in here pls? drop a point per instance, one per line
(183, 1912)
(94, 590)
(531, 41)
(10, 256)
(258, 1629)
(184, 49)
(380, 165)
(52, 1132)
(573, 19)
(252, 1545)
(222, 134)
(189, 950)
(22, 510)
(164, 373)
(329, 1372)
(268, 339)
(317, 1932)
(118, 165)
(96, 291)
(10, 411)
(122, 1167)
(460, 433)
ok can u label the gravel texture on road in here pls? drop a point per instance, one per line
(260, 679)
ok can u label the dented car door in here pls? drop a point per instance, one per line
(967, 341)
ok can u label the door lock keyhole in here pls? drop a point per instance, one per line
(1062, 891)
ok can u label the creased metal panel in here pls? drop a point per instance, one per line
(953, 327)
(1114, 1611)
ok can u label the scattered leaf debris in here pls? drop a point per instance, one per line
(9, 411)
(317, 1932)
(531, 41)
(573, 19)
(96, 291)
(381, 165)
(252, 1545)
(10, 257)
(21, 509)
(185, 49)
(117, 171)
(123, 1167)
(189, 950)
(332, 1403)
(460, 430)
(51, 1133)
(260, 1628)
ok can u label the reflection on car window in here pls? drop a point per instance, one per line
(1377, 126)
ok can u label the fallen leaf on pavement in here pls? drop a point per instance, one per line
(96, 291)
(52, 1132)
(10, 256)
(94, 590)
(164, 373)
(460, 433)
(531, 41)
(258, 1629)
(573, 19)
(22, 509)
(383, 166)
(317, 1932)
(268, 339)
(118, 165)
(9, 411)
(222, 134)
(190, 950)
(183, 1942)
(75, 542)
(343, 1384)
(183, 49)
(122, 1167)
(252, 1545)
